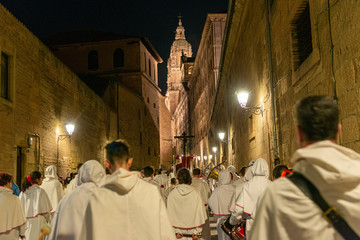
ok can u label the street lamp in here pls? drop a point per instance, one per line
(214, 149)
(205, 157)
(242, 97)
(198, 157)
(210, 156)
(221, 136)
(70, 129)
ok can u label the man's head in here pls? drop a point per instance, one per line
(118, 155)
(183, 176)
(173, 181)
(78, 167)
(196, 172)
(5, 180)
(242, 171)
(277, 171)
(148, 171)
(317, 120)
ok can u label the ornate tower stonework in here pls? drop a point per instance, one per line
(179, 48)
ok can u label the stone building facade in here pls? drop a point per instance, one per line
(313, 50)
(40, 95)
(203, 82)
(107, 61)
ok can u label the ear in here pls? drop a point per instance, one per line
(338, 132)
(300, 135)
(107, 164)
(129, 163)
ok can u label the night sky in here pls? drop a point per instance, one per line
(156, 19)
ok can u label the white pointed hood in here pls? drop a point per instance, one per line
(72, 208)
(224, 177)
(91, 171)
(255, 186)
(50, 173)
(220, 199)
(121, 181)
(52, 187)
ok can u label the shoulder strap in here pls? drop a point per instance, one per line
(329, 213)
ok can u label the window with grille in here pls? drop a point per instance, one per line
(5, 81)
(118, 58)
(93, 61)
(301, 35)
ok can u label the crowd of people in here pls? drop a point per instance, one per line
(123, 204)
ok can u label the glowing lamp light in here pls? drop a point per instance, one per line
(198, 158)
(210, 157)
(242, 98)
(214, 149)
(221, 135)
(205, 157)
(70, 128)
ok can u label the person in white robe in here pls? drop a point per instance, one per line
(186, 208)
(72, 207)
(73, 183)
(12, 216)
(52, 187)
(162, 180)
(200, 185)
(36, 204)
(233, 172)
(204, 189)
(220, 201)
(125, 207)
(149, 176)
(251, 190)
(169, 189)
(285, 212)
(171, 176)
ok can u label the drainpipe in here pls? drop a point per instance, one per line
(268, 33)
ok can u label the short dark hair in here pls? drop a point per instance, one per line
(118, 151)
(35, 175)
(5, 178)
(173, 181)
(183, 175)
(196, 171)
(318, 118)
(242, 171)
(278, 169)
(148, 171)
(79, 166)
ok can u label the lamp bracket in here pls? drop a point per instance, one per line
(62, 137)
(255, 110)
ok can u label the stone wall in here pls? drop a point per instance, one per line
(46, 95)
(245, 65)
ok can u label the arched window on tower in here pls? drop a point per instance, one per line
(93, 60)
(149, 68)
(118, 58)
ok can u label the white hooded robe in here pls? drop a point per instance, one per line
(37, 207)
(252, 189)
(186, 209)
(12, 216)
(52, 187)
(126, 207)
(67, 221)
(220, 201)
(286, 213)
